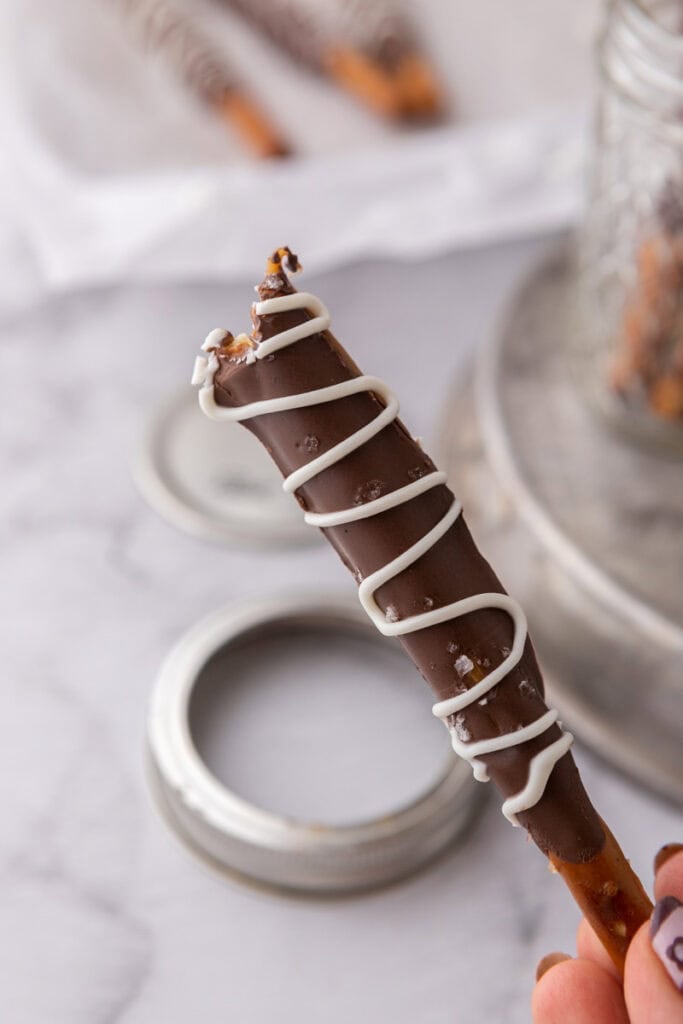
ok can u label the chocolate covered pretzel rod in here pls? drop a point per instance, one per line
(367, 46)
(380, 501)
(158, 26)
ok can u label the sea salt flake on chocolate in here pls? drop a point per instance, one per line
(460, 729)
(369, 491)
(391, 613)
(463, 665)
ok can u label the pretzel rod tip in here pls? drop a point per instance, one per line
(283, 258)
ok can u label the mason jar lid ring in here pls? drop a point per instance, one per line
(268, 848)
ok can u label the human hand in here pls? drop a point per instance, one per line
(589, 990)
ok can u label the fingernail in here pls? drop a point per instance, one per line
(548, 961)
(666, 853)
(666, 935)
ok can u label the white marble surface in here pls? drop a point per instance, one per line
(105, 918)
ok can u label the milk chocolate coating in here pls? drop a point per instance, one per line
(564, 821)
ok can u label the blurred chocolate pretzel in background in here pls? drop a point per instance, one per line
(369, 47)
(164, 28)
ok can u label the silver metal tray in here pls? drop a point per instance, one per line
(584, 528)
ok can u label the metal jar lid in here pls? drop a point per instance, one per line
(266, 847)
(214, 480)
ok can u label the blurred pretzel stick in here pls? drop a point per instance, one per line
(368, 47)
(649, 359)
(159, 27)
(406, 89)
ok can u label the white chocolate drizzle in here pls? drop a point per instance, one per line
(542, 763)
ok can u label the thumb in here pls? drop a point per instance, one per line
(653, 980)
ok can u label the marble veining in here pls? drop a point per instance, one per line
(106, 920)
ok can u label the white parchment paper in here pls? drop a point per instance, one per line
(112, 171)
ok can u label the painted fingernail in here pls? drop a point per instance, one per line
(548, 961)
(666, 853)
(666, 935)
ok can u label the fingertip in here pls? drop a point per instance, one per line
(548, 961)
(578, 992)
(650, 993)
(665, 853)
(549, 991)
(669, 868)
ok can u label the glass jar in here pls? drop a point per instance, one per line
(630, 333)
